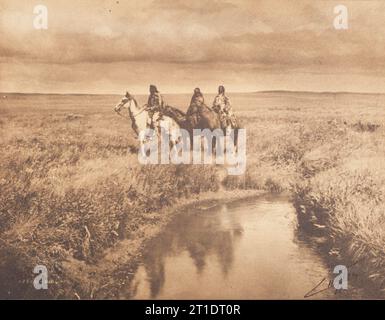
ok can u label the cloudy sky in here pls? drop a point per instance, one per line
(108, 46)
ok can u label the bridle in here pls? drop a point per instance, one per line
(129, 110)
(123, 116)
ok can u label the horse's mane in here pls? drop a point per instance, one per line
(135, 102)
(174, 113)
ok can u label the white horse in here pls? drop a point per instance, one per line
(140, 119)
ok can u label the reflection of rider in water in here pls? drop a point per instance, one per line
(222, 106)
(197, 102)
(155, 106)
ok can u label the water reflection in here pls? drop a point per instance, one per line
(241, 250)
(201, 235)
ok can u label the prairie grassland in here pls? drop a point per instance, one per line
(329, 152)
(71, 186)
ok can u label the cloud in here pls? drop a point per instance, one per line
(201, 7)
(259, 36)
(275, 51)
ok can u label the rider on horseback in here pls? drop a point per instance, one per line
(197, 102)
(155, 106)
(222, 106)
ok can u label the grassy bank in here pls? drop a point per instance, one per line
(331, 159)
(73, 194)
(344, 204)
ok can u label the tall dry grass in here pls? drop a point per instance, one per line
(329, 153)
(70, 185)
(345, 204)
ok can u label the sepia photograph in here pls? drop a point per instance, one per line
(192, 150)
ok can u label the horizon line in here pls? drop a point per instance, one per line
(236, 92)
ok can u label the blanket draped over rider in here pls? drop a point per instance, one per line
(195, 108)
(223, 107)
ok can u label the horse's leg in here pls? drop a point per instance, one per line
(171, 145)
(236, 139)
(136, 130)
(191, 139)
(179, 136)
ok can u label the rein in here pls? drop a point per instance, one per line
(118, 112)
(129, 110)
(140, 111)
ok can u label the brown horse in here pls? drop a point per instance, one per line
(205, 118)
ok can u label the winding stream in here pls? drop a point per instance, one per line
(246, 249)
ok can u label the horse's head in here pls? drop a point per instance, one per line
(126, 98)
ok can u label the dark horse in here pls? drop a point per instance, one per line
(206, 119)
